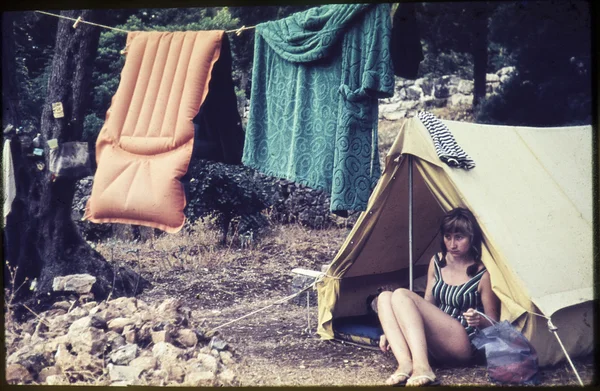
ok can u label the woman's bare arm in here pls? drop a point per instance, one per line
(430, 282)
(491, 303)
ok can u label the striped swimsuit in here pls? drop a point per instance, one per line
(456, 299)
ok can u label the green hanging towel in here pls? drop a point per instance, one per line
(316, 80)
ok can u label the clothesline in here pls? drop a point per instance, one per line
(80, 20)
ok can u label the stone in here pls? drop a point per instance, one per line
(161, 336)
(426, 86)
(53, 312)
(145, 363)
(117, 324)
(98, 308)
(32, 357)
(187, 338)
(414, 92)
(465, 87)
(129, 334)
(460, 100)
(114, 340)
(80, 283)
(407, 104)
(64, 305)
(492, 78)
(168, 306)
(124, 355)
(80, 325)
(60, 323)
(199, 379)
(91, 340)
(166, 352)
(506, 71)
(52, 345)
(144, 334)
(124, 305)
(208, 362)
(108, 314)
(123, 373)
(57, 380)
(227, 377)
(78, 312)
(17, 374)
(395, 116)
(88, 362)
(218, 344)
(63, 358)
(226, 357)
(175, 370)
(89, 306)
(383, 109)
(48, 371)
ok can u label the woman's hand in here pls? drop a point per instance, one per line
(472, 317)
(384, 346)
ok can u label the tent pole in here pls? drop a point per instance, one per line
(410, 222)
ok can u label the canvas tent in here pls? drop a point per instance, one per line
(531, 191)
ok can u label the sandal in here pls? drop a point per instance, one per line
(397, 379)
(431, 381)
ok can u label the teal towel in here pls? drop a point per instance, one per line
(316, 80)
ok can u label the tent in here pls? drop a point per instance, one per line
(531, 191)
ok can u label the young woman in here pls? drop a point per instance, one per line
(443, 322)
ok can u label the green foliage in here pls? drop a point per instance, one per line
(549, 43)
(224, 192)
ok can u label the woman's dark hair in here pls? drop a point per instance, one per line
(461, 220)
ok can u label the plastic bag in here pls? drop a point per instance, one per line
(511, 359)
(70, 159)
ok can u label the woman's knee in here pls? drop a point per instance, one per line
(402, 294)
(384, 300)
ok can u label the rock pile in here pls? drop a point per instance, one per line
(118, 342)
(425, 93)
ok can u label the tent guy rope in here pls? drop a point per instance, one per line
(80, 20)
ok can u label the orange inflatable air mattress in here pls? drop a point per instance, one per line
(145, 145)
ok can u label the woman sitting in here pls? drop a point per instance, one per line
(444, 321)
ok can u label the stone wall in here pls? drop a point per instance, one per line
(426, 93)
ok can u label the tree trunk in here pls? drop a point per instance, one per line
(480, 55)
(42, 239)
(10, 94)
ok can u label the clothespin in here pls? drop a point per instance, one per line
(124, 50)
(551, 326)
(238, 32)
(77, 22)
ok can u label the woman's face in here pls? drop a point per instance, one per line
(457, 243)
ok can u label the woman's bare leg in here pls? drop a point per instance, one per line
(424, 326)
(395, 338)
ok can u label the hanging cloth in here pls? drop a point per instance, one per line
(405, 43)
(445, 145)
(8, 180)
(316, 80)
(219, 135)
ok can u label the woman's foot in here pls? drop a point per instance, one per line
(397, 378)
(422, 378)
(400, 376)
